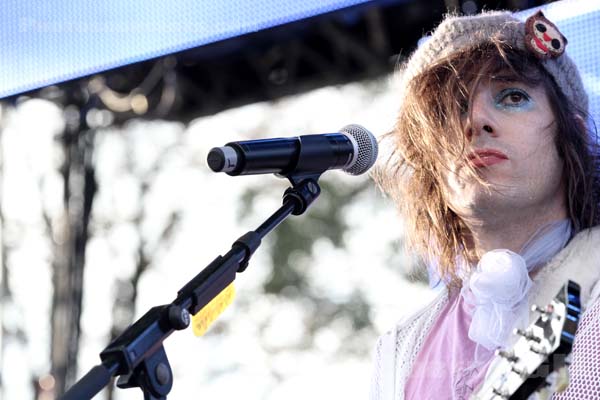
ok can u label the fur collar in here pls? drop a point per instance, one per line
(579, 261)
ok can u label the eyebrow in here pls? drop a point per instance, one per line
(506, 78)
(511, 79)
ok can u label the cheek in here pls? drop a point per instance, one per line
(545, 150)
(534, 139)
(552, 163)
(543, 167)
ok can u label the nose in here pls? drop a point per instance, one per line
(480, 120)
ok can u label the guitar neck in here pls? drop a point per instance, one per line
(540, 355)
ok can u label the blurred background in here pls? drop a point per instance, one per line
(107, 206)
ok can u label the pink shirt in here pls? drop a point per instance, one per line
(445, 367)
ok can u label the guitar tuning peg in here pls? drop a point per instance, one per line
(538, 309)
(521, 372)
(539, 350)
(500, 393)
(508, 355)
(547, 311)
(527, 335)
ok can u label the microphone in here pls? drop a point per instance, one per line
(353, 149)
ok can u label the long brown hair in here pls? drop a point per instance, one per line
(428, 136)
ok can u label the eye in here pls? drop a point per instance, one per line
(540, 27)
(513, 97)
(555, 44)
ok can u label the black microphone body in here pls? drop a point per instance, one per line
(308, 154)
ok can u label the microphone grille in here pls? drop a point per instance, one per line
(367, 149)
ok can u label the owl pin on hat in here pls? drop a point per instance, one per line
(543, 38)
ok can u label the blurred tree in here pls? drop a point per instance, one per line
(291, 252)
(69, 250)
(157, 204)
(126, 293)
(11, 332)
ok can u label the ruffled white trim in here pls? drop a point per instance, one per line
(498, 291)
(498, 287)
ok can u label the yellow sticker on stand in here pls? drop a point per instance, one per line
(204, 318)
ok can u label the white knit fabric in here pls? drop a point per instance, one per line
(397, 350)
(579, 261)
(584, 372)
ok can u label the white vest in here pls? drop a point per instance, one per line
(397, 350)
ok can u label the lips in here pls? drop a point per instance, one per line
(486, 157)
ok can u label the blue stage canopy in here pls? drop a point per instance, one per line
(43, 43)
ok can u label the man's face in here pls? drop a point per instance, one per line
(511, 147)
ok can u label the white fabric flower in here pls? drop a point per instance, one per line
(499, 287)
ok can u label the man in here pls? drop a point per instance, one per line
(496, 176)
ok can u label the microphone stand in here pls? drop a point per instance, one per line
(137, 356)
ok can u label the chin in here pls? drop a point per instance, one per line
(480, 202)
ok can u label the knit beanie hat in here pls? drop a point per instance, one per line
(537, 35)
